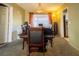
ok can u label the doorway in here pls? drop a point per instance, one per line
(65, 23)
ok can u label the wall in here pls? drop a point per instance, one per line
(18, 19)
(61, 21)
(73, 22)
(3, 24)
(27, 16)
(56, 17)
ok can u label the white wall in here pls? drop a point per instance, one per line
(3, 24)
(17, 18)
(61, 26)
(73, 23)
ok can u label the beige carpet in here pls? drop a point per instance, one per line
(60, 48)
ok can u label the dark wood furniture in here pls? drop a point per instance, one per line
(24, 35)
(36, 39)
(50, 39)
(55, 28)
(48, 35)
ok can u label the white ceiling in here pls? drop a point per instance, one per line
(31, 7)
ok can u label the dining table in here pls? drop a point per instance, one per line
(48, 36)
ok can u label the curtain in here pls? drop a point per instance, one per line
(30, 18)
(50, 18)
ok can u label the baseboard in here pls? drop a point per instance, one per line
(3, 44)
(67, 39)
(73, 45)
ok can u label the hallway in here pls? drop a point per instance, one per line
(60, 48)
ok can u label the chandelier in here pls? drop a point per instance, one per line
(39, 8)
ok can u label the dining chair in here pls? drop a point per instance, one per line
(49, 35)
(24, 36)
(35, 40)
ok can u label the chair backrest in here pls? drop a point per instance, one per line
(24, 29)
(36, 36)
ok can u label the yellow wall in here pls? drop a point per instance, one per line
(18, 19)
(56, 17)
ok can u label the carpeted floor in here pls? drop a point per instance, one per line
(60, 48)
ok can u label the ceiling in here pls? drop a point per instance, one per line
(32, 7)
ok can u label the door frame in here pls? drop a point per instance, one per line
(62, 24)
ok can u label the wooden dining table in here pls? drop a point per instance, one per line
(48, 36)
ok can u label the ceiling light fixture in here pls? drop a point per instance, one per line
(39, 10)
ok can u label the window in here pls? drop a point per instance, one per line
(40, 19)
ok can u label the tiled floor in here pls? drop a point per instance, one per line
(60, 48)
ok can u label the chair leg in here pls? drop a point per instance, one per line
(43, 50)
(51, 42)
(26, 41)
(28, 54)
(29, 51)
(23, 44)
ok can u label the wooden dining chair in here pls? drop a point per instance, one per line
(50, 39)
(36, 39)
(49, 35)
(24, 36)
